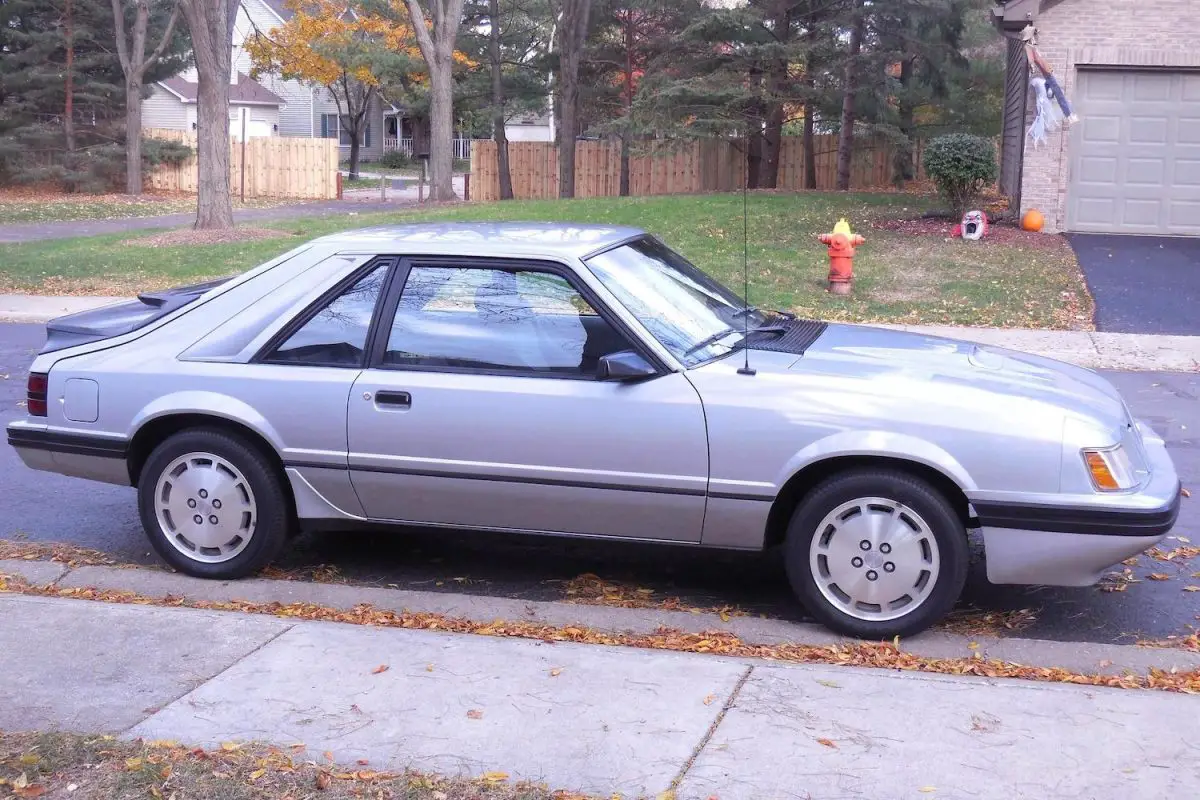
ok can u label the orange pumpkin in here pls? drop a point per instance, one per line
(1033, 220)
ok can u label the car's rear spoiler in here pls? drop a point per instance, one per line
(121, 318)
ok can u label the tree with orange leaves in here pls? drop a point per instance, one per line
(347, 47)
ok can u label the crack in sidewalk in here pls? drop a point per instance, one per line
(209, 679)
(708, 735)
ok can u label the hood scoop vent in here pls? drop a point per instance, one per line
(799, 335)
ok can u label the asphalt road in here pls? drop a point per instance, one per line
(50, 508)
(1142, 284)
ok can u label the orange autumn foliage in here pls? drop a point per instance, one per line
(327, 39)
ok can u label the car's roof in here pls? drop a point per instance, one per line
(491, 238)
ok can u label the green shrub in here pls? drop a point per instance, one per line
(394, 159)
(160, 152)
(960, 165)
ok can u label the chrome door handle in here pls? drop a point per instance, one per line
(393, 399)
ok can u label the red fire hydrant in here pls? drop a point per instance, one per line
(841, 256)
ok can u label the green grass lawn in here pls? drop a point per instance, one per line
(1011, 279)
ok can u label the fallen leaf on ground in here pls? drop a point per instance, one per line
(1191, 588)
(554, 673)
(1186, 492)
(928, 789)
(474, 714)
(258, 773)
(827, 743)
(1158, 576)
(322, 780)
(229, 747)
(829, 684)
(379, 669)
(708, 701)
(429, 667)
(495, 777)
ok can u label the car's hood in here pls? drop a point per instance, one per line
(895, 358)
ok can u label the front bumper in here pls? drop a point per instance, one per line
(78, 455)
(1076, 543)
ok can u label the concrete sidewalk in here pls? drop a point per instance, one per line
(582, 717)
(1123, 351)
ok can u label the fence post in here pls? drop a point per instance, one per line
(467, 188)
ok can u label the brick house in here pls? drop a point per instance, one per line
(1131, 70)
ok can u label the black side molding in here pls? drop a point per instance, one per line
(1060, 519)
(78, 444)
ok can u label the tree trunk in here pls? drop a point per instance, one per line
(846, 136)
(571, 38)
(355, 146)
(498, 131)
(437, 48)
(441, 151)
(754, 134)
(808, 142)
(69, 89)
(134, 64)
(133, 137)
(902, 163)
(627, 103)
(777, 80)
(211, 25)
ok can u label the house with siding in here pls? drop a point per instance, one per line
(270, 105)
(1131, 71)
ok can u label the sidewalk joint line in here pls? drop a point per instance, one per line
(712, 729)
(209, 679)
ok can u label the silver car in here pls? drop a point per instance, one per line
(585, 380)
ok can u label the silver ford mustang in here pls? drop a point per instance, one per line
(584, 380)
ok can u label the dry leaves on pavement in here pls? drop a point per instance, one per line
(878, 655)
(589, 589)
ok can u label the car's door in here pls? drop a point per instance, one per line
(481, 407)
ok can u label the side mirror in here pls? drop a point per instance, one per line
(625, 365)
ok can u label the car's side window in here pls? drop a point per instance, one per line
(337, 335)
(498, 320)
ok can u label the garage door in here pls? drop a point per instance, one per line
(1135, 156)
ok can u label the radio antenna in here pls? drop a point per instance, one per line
(745, 368)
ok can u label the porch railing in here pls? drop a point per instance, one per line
(462, 147)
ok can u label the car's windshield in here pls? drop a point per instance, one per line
(692, 315)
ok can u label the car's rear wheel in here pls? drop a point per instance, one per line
(212, 505)
(877, 554)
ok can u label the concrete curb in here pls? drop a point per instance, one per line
(39, 309)
(1091, 349)
(1074, 656)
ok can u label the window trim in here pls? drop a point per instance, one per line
(266, 353)
(400, 279)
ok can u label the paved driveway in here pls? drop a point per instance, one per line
(1142, 284)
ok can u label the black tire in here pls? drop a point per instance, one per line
(272, 521)
(932, 506)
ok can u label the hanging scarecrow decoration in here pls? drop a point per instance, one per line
(1047, 116)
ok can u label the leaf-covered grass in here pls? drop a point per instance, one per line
(33, 207)
(65, 208)
(916, 274)
(104, 768)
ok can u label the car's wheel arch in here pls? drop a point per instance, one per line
(172, 414)
(842, 453)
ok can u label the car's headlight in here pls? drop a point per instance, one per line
(1110, 468)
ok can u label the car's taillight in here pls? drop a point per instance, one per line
(36, 389)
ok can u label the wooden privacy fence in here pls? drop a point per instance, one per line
(275, 166)
(711, 165)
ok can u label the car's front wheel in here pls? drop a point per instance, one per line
(877, 553)
(212, 505)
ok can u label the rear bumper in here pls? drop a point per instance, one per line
(89, 456)
(1076, 544)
